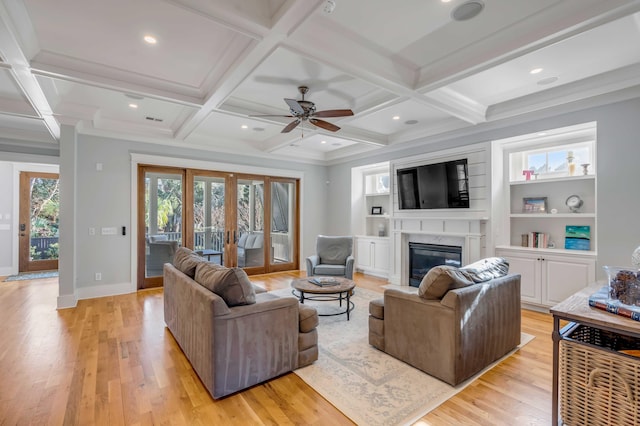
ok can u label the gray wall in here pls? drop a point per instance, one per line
(6, 207)
(104, 200)
(618, 170)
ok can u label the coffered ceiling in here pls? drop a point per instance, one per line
(407, 68)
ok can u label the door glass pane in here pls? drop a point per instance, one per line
(282, 221)
(208, 217)
(44, 220)
(163, 220)
(250, 223)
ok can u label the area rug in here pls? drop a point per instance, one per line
(31, 276)
(367, 385)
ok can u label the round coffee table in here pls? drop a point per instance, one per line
(342, 289)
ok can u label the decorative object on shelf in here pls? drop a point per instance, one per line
(534, 205)
(376, 210)
(381, 230)
(574, 203)
(570, 164)
(585, 168)
(551, 244)
(527, 174)
(635, 258)
(554, 211)
(577, 237)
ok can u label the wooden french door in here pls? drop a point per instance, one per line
(38, 228)
(237, 220)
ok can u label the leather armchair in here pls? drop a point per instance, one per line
(452, 338)
(333, 257)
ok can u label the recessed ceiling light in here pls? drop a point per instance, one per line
(536, 71)
(149, 39)
(323, 141)
(134, 106)
(396, 117)
(546, 81)
(542, 133)
(244, 126)
(446, 1)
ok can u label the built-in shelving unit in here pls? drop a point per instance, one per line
(549, 274)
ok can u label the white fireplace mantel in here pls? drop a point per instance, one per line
(467, 234)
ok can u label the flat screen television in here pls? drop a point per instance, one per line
(434, 186)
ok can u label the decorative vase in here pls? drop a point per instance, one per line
(381, 230)
(585, 168)
(635, 258)
(571, 164)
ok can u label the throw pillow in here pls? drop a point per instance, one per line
(486, 269)
(439, 280)
(231, 284)
(185, 260)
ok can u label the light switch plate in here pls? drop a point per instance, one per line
(109, 231)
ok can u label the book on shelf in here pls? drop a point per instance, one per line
(536, 240)
(324, 281)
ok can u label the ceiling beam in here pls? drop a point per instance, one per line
(21, 72)
(255, 54)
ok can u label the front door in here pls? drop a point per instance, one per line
(38, 228)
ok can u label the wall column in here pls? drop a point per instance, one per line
(68, 210)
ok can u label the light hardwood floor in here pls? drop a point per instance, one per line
(112, 361)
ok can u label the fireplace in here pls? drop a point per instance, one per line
(423, 257)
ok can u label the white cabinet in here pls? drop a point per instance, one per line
(549, 276)
(372, 255)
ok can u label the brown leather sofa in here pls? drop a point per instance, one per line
(451, 338)
(234, 347)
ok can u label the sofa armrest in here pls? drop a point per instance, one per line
(348, 270)
(312, 262)
(253, 343)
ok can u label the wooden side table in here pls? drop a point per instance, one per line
(576, 310)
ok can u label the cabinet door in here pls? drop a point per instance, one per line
(381, 256)
(363, 252)
(529, 269)
(563, 277)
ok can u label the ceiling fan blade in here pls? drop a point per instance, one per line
(324, 124)
(290, 126)
(333, 113)
(269, 115)
(295, 106)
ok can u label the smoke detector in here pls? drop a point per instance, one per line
(329, 6)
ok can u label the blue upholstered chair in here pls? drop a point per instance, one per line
(333, 257)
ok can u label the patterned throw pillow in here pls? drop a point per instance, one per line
(231, 284)
(486, 269)
(439, 280)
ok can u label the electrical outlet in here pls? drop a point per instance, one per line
(92, 231)
(98, 276)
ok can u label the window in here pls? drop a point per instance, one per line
(552, 161)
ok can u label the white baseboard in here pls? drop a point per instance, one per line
(7, 270)
(104, 290)
(67, 301)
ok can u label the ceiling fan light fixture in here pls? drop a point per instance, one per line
(467, 10)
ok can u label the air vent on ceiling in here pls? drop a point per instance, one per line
(467, 10)
(154, 119)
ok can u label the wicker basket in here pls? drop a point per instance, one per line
(598, 385)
